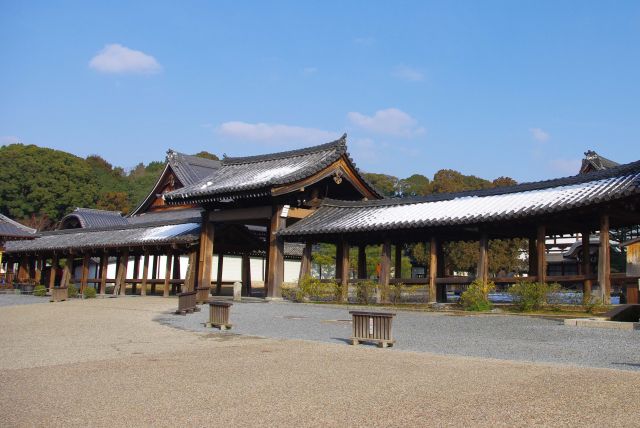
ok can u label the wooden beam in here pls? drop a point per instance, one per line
(121, 274)
(136, 273)
(246, 275)
(483, 260)
(205, 259)
(362, 262)
(604, 261)
(586, 265)
(541, 256)
(344, 273)
(398, 261)
(305, 263)
(276, 255)
(176, 272)
(299, 212)
(385, 271)
(433, 270)
(219, 274)
(104, 270)
(167, 274)
(241, 214)
(145, 273)
(52, 273)
(84, 275)
(154, 274)
(190, 279)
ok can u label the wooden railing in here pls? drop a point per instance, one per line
(187, 303)
(372, 327)
(219, 314)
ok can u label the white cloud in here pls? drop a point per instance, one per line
(118, 59)
(391, 121)
(274, 133)
(565, 166)
(539, 134)
(9, 139)
(409, 74)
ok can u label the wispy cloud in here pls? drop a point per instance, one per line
(391, 121)
(364, 41)
(273, 133)
(307, 71)
(118, 59)
(565, 166)
(406, 73)
(9, 139)
(539, 135)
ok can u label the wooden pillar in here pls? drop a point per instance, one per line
(441, 291)
(84, 275)
(136, 273)
(541, 256)
(167, 274)
(275, 275)
(37, 276)
(344, 273)
(305, 263)
(52, 273)
(176, 272)
(121, 274)
(385, 271)
(23, 269)
(104, 270)
(10, 273)
(66, 272)
(246, 275)
(362, 262)
(533, 259)
(206, 251)
(604, 261)
(189, 280)
(145, 273)
(483, 260)
(433, 270)
(219, 275)
(586, 265)
(154, 274)
(398, 261)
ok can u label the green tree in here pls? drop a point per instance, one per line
(386, 184)
(415, 185)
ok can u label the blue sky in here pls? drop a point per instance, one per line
(517, 88)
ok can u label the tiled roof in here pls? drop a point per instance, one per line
(89, 218)
(10, 229)
(167, 217)
(191, 169)
(255, 175)
(474, 207)
(594, 162)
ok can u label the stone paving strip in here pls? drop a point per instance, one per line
(108, 363)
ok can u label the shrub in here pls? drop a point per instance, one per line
(595, 306)
(40, 290)
(313, 288)
(365, 291)
(396, 293)
(476, 296)
(72, 291)
(531, 296)
(89, 293)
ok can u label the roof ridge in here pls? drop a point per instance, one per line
(522, 187)
(340, 143)
(17, 224)
(96, 210)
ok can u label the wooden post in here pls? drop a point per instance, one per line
(23, 269)
(246, 275)
(433, 270)
(276, 255)
(604, 261)
(344, 273)
(121, 274)
(37, 277)
(145, 273)
(305, 263)
(541, 257)
(154, 274)
(10, 267)
(52, 273)
(219, 275)
(85, 272)
(189, 281)
(206, 251)
(136, 274)
(483, 260)
(176, 272)
(167, 274)
(104, 270)
(385, 271)
(66, 272)
(398, 261)
(533, 260)
(586, 265)
(362, 262)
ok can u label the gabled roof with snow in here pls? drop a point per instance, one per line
(256, 175)
(473, 207)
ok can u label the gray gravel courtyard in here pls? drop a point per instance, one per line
(11, 299)
(506, 337)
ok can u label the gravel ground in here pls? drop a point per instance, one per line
(20, 299)
(504, 337)
(106, 363)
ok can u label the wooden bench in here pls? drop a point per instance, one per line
(372, 327)
(187, 303)
(219, 314)
(58, 294)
